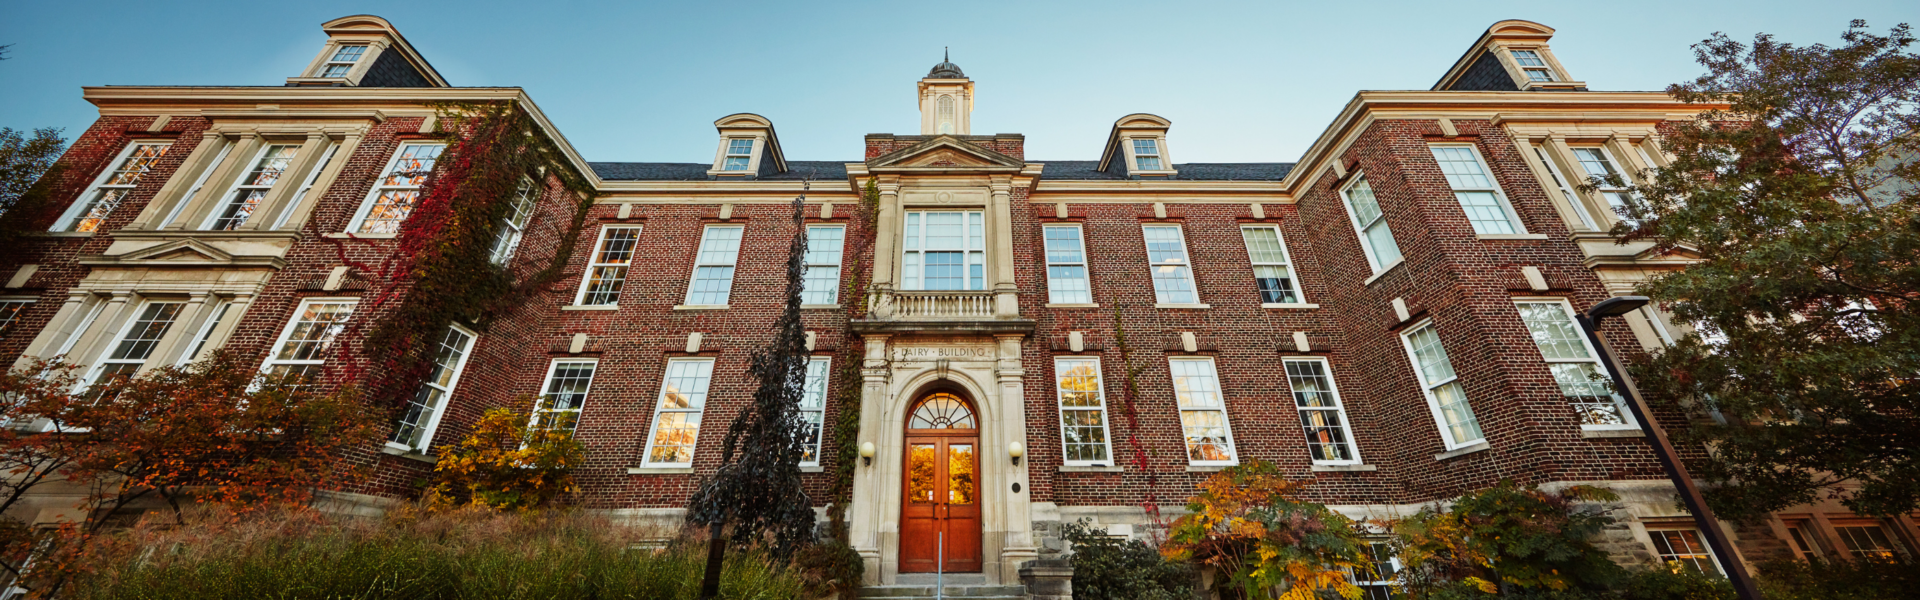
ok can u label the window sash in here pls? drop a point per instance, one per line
(1167, 258)
(303, 345)
(607, 270)
(1272, 266)
(137, 340)
(713, 264)
(1146, 155)
(739, 155)
(1203, 412)
(252, 186)
(343, 59)
(1575, 364)
(111, 188)
(1476, 190)
(1066, 265)
(1685, 547)
(1370, 225)
(10, 310)
(1868, 541)
(514, 224)
(949, 258)
(1566, 189)
(820, 284)
(206, 332)
(1323, 419)
(397, 191)
(813, 408)
(564, 394)
(414, 431)
(1598, 162)
(1081, 395)
(1459, 427)
(675, 431)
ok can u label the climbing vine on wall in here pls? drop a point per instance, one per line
(441, 269)
(847, 380)
(1129, 393)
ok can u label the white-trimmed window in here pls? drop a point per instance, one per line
(343, 60)
(1599, 163)
(813, 407)
(1566, 189)
(1868, 540)
(397, 190)
(1146, 155)
(10, 310)
(422, 415)
(1272, 268)
(306, 185)
(713, 266)
(944, 250)
(739, 154)
(205, 334)
(1533, 65)
(1376, 581)
(1083, 411)
(607, 271)
(1066, 266)
(1203, 411)
(1683, 547)
(112, 187)
(564, 394)
(1172, 273)
(1445, 396)
(676, 421)
(303, 345)
(1575, 364)
(1473, 186)
(252, 186)
(821, 283)
(137, 341)
(514, 226)
(1371, 225)
(1322, 418)
(1800, 534)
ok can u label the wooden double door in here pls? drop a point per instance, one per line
(940, 515)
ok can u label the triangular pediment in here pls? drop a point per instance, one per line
(945, 152)
(1677, 252)
(182, 251)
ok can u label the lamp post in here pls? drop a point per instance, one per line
(1703, 518)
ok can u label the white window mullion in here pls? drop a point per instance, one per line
(199, 182)
(397, 191)
(1447, 399)
(244, 197)
(205, 334)
(513, 226)
(1476, 190)
(1066, 266)
(1322, 418)
(302, 348)
(10, 309)
(813, 407)
(306, 186)
(1575, 364)
(1146, 155)
(1566, 189)
(1083, 411)
(1272, 268)
(1167, 257)
(1203, 412)
(676, 419)
(713, 264)
(112, 187)
(1370, 225)
(944, 250)
(137, 341)
(414, 431)
(607, 270)
(1599, 164)
(564, 395)
(820, 285)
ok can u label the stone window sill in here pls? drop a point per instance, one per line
(812, 469)
(818, 307)
(1339, 468)
(1512, 236)
(699, 307)
(408, 453)
(1300, 305)
(67, 234)
(363, 236)
(1389, 269)
(591, 307)
(1074, 305)
(659, 470)
(1468, 449)
(1091, 469)
(1590, 432)
(1208, 468)
(1184, 305)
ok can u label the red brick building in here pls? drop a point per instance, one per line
(1390, 315)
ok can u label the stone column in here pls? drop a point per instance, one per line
(1562, 156)
(185, 330)
(864, 519)
(175, 189)
(886, 248)
(1012, 424)
(60, 328)
(1000, 219)
(331, 171)
(101, 333)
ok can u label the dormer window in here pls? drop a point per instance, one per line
(1146, 155)
(1531, 63)
(343, 60)
(739, 154)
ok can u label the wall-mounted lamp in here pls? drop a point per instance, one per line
(866, 453)
(1016, 451)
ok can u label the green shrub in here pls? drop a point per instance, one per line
(1665, 584)
(1107, 568)
(1839, 580)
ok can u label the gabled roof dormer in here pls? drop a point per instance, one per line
(748, 148)
(1137, 148)
(1511, 56)
(366, 51)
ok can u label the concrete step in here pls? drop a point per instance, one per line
(916, 591)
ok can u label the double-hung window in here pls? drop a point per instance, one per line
(1612, 184)
(1371, 225)
(1172, 274)
(397, 190)
(1868, 540)
(813, 408)
(1083, 412)
(1683, 547)
(944, 250)
(821, 285)
(423, 411)
(304, 344)
(565, 393)
(205, 335)
(252, 187)
(1575, 364)
(1566, 189)
(607, 271)
(713, 266)
(137, 342)
(1066, 266)
(1533, 65)
(342, 60)
(1203, 411)
(1445, 396)
(1321, 417)
(1146, 155)
(739, 154)
(10, 310)
(513, 226)
(1376, 581)
(1272, 272)
(1474, 187)
(676, 421)
(112, 187)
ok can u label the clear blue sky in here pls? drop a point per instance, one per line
(630, 81)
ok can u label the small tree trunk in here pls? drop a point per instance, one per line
(716, 553)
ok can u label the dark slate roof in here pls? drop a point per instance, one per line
(1084, 170)
(820, 170)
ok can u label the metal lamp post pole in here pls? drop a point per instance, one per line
(1703, 518)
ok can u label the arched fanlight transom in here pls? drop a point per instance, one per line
(942, 411)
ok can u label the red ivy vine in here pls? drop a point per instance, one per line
(847, 380)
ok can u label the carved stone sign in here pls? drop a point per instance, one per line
(926, 353)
